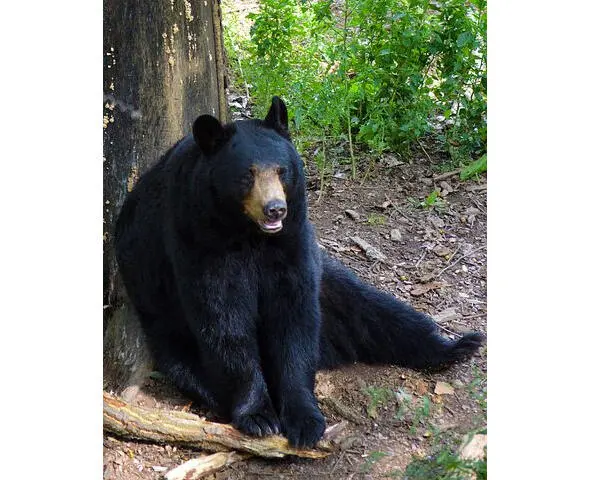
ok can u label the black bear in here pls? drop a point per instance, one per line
(239, 304)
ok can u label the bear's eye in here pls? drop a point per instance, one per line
(281, 170)
(248, 179)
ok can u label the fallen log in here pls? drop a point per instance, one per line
(181, 428)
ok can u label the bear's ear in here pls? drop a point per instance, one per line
(277, 117)
(209, 133)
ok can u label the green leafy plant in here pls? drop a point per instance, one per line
(421, 414)
(376, 75)
(477, 388)
(376, 219)
(474, 168)
(432, 200)
(445, 465)
(378, 396)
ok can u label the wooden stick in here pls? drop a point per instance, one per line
(425, 151)
(344, 411)
(445, 175)
(460, 259)
(182, 428)
(451, 332)
(204, 465)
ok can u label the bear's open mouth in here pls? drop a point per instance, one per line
(270, 226)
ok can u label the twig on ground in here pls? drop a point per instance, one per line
(483, 314)
(445, 175)
(452, 255)
(337, 462)
(448, 330)
(449, 409)
(460, 259)
(425, 152)
(479, 206)
(343, 411)
(421, 259)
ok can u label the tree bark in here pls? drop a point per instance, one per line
(181, 428)
(163, 66)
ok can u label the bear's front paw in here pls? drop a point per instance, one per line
(303, 426)
(258, 423)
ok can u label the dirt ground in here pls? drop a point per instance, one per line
(435, 258)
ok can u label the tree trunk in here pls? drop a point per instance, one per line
(163, 66)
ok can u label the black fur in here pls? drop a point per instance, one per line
(239, 319)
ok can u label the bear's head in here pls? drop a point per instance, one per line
(253, 168)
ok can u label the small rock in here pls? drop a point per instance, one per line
(443, 388)
(158, 468)
(353, 214)
(472, 211)
(437, 222)
(340, 176)
(446, 186)
(372, 252)
(441, 251)
(395, 235)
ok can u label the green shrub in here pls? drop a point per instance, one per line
(379, 74)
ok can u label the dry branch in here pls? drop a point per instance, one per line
(445, 175)
(181, 428)
(205, 465)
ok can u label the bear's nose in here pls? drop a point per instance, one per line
(275, 210)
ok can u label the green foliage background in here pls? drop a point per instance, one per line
(377, 74)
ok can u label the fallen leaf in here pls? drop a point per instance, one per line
(421, 387)
(473, 449)
(443, 388)
(423, 288)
